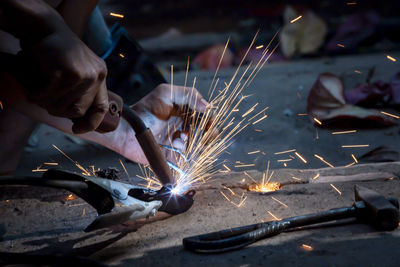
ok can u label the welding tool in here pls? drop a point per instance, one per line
(115, 202)
(369, 207)
(31, 81)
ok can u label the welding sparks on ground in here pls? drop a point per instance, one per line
(265, 185)
(316, 176)
(273, 216)
(242, 197)
(337, 190)
(284, 152)
(300, 157)
(324, 161)
(280, 202)
(354, 157)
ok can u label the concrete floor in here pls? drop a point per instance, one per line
(52, 225)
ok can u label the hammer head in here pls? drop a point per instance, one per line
(380, 211)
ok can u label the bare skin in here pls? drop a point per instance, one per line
(76, 88)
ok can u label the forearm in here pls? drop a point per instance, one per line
(76, 14)
(29, 20)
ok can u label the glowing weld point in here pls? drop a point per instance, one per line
(175, 190)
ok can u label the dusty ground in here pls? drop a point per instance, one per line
(53, 225)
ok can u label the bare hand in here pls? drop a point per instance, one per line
(75, 84)
(163, 114)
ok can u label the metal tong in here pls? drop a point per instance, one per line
(115, 202)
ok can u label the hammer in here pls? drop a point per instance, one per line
(369, 207)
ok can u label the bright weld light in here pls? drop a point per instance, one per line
(175, 190)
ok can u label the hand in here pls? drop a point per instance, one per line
(75, 80)
(164, 114)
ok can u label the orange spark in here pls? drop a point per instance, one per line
(253, 152)
(260, 46)
(340, 45)
(354, 157)
(300, 157)
(316, 176)
(347, 146)
(121, 55)
(317, 121)
(257, 121)
(50, 163)
(123, 166)
(324, 161)
(302, 114)
(357, 71)
(391, 115)
(349, 165)
(296, 19)
(116, 15)
(244, 165)
(337, 190)
(284, 160)
(273, 216)
(345, 132)
(1, 105)
(280, 202)
(391, 58)
(286, 151)
(306, 247)
(70, 197)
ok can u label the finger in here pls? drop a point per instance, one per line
(95, 114)
(71, 105)
(191, 97)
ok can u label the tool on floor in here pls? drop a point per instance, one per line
(369, 207)
(115, 202)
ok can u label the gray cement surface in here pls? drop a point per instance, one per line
(45, 222)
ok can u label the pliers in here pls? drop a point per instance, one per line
(115, 202)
